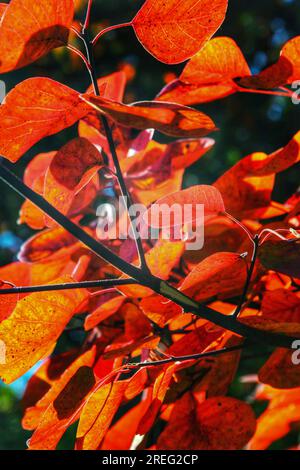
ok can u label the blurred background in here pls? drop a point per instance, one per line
(247, 122)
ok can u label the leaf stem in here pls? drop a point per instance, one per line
(87, 16)
(263, 92)
(191, 357)
(249, 276)
(107, 30)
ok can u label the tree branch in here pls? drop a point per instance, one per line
(105, 283)
(249, 277)
(125, 193)
(157, 285)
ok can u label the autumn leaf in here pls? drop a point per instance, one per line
(32, 329)
(34, 109)
(68, 397)
(221, 275)
(282, 256)
(7, 302)
(261, 164)
(285, 71)
(168, 118)
(281, 305)
(277, 420)
(50, 243)
(98, 413)
(122, 433)
(279, 370)
(220, 423)
(209, 75)
(103, 312)
(53, 376)
(29, 30)
(160, 259)
(174, 32)
(162, 215)
(159, 391)
(70, 171)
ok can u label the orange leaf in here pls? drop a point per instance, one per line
(121, 434)
(276, 421)
(34, 326)
(34, 109)
(221, 275)
(281, 305)
(219, 61)
(285, 71)
(98, 414)
(161, 214)
(53, 380)
(72, 168)
(168, 118)
(103, 312)
(279, 370)
(65, 408)
(161, 386)
(29, 30)
(220, 423)
(188, 94)
(173, 32)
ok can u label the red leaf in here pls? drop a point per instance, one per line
(209, 74)
(285, 71)
(29, 30)
(173, 31)
(34, 109)
(282, 256)
(279, 370)
(168, 118)
(72, 168)
(161, 215)
(221, 275)
(220, 423)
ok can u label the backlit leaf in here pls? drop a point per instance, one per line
(168, 118)
(29, 30)
(34, 109)
(173, 31)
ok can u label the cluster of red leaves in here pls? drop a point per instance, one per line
(181, 404)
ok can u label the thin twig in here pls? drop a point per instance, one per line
(67, 286)
(191, 357)
(107, 30)
(87, 16)
(125, 193)
(80, 54)
(249, 277)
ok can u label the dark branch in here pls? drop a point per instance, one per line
(104, 283)
(191, 357)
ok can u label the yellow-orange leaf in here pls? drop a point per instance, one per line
(34, 326)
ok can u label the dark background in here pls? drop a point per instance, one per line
(247, 122)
